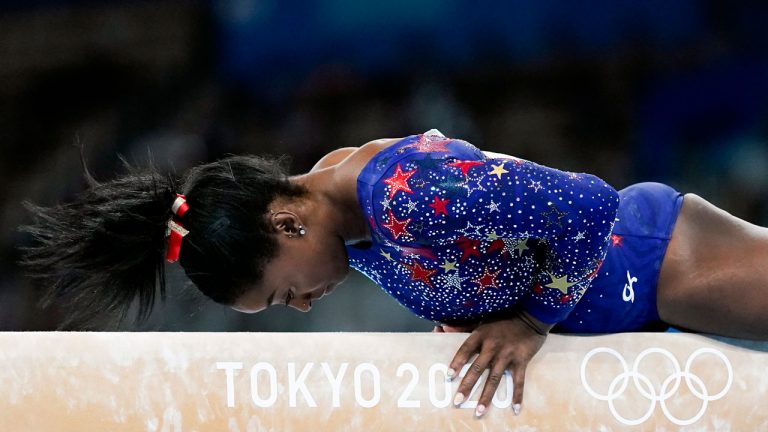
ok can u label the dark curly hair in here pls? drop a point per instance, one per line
(100, 252)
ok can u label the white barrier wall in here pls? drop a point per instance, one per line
(249, 382)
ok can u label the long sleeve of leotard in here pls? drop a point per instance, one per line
(488, 207)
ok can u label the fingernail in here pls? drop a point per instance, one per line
(450, 374)
(458, 399)
(516, 408)
(480, 410)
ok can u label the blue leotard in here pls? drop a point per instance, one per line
(458, 236)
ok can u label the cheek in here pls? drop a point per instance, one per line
(330, 258)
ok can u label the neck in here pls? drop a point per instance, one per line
(333, 203)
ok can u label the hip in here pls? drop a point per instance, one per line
(622, 297)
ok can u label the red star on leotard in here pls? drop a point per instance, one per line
(468, 247)
(440, 206)
(397, 227)
(537, 289)
(431, 143)
(565, 298)
(488, 279)
(399, 181)
(616, 240)
(419, 273)
(465, 166)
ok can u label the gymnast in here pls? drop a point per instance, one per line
(473, 241)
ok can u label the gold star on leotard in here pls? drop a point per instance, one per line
(521, 246)
(448, 266)
(498, 170)
(560, 283)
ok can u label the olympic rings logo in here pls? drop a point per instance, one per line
(668, 388)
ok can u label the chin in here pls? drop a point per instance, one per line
(341, 267)
(344, 275)
(337, 275)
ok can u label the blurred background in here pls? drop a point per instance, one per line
(647, 90)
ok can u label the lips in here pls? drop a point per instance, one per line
(317, 294)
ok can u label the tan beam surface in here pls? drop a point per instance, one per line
(247, 382)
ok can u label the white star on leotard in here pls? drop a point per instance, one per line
(535, 185)
(477, 185)
(492, 206)
(411, 206)
(579, 236)
(509, 245)
(453, 280)
(470, 227)
(386, 203)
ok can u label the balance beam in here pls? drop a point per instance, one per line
(249, 382)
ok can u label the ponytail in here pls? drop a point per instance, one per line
(105, 249)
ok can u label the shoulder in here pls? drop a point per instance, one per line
(333, 158)
(355, 158)
(351, 157)
(367, 151)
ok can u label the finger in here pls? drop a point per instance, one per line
(491, 385)
(518, 380)
(474, 373)
(466, 350)
(438, 329)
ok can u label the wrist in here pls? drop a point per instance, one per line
(534, 323)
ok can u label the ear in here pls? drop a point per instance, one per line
(286, 222)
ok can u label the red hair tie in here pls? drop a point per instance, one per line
(180, 205)
(176, 231)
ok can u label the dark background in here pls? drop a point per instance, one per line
(671, 91)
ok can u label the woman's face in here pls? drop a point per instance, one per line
(305, 269)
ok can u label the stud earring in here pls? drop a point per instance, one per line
(302, 231)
